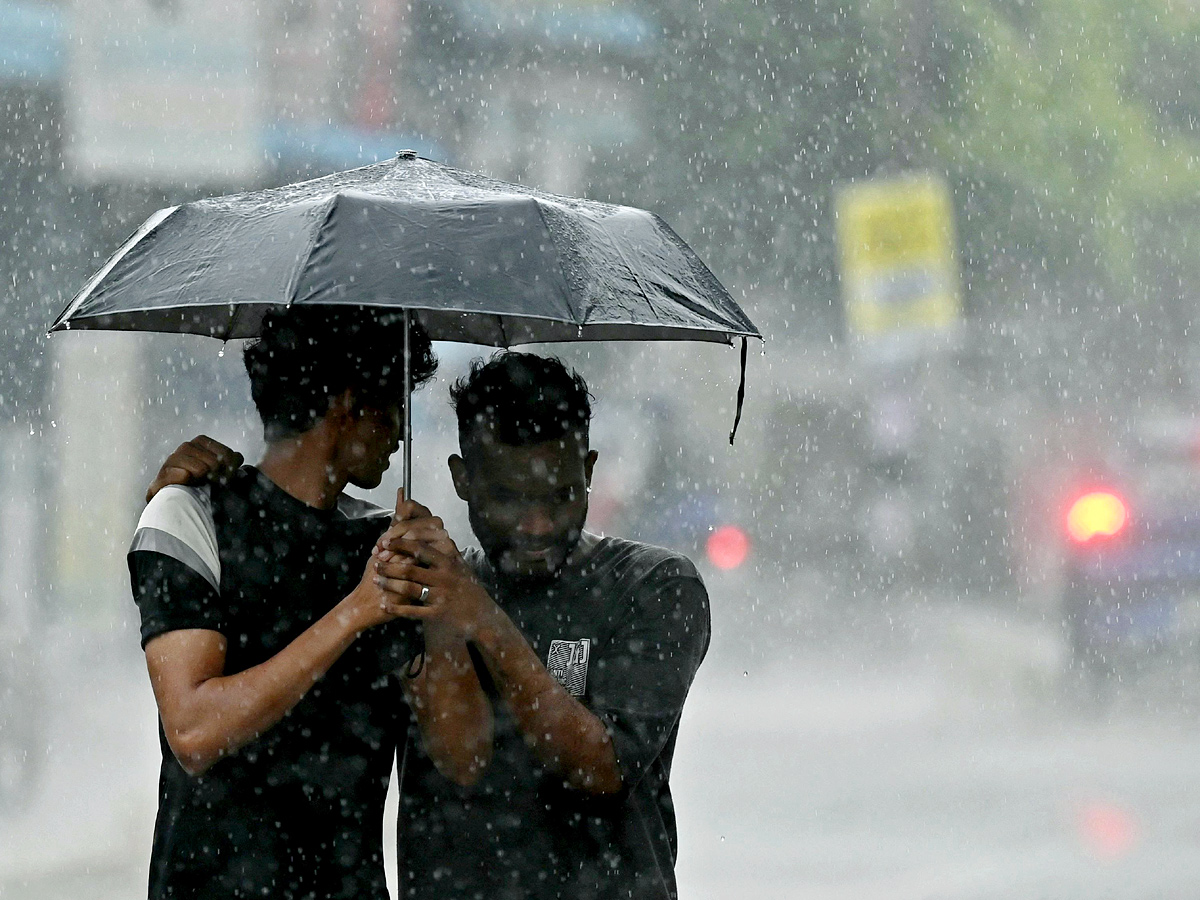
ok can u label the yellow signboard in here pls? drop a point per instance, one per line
(898, 269)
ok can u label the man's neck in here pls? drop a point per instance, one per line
(302, 467)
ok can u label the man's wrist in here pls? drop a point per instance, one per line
(491, 635)
(441, 637)
(353, 615)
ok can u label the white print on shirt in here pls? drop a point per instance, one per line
(568, 663)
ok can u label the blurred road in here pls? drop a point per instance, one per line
(924, 753)
(86, 831)
(943, 760)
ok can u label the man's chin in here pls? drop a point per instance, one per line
(367, 484)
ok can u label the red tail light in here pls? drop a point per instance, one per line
(1096, 514)
(728, 547)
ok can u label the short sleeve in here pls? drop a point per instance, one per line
(174, 564)
(171, 596)
(643, 677)
(178, 522)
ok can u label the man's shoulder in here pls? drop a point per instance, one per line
(655, 591)
(176, 501)
(178, 523)
(637, 559)
(227, 501)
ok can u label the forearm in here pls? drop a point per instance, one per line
(223, 713)
(565, 736)
(452, 711)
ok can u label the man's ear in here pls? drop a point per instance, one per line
(458, 474)
(341, 408)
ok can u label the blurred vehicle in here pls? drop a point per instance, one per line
(1130, 591)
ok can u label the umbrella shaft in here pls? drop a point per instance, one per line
(407, 405)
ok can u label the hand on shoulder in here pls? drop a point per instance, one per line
(198, 460)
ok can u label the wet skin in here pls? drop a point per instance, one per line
(375, 438)
(527, 504)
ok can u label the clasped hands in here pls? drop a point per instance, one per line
(416, 552)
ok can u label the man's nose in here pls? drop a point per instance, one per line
(536, 520)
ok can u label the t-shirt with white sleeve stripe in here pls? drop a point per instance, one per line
(178, 522)
(298, 811)
(177, 525)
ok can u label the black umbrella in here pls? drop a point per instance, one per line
(471, 258)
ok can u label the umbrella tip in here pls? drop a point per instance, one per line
(406, 154)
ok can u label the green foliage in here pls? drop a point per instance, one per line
(1061, 123)
(1066, 127)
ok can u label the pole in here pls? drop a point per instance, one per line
(407, 405)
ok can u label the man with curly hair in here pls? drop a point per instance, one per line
(270, 644)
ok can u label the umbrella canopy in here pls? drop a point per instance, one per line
(472, 258)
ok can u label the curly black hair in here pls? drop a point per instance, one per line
(307, 356)
(524, 398)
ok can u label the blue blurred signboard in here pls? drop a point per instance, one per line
(600, 24)
(32, 42)
(219, 94)
(164, 92)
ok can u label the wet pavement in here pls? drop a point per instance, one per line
(952, 758)
(86, 829)
(805, 792)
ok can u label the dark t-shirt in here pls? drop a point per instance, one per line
(624, 630)
(298, 812)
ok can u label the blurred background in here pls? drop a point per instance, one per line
(954, 553)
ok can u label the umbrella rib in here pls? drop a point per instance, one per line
(303, 258)
(136, 238)
(551, 237)
(632, 271)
